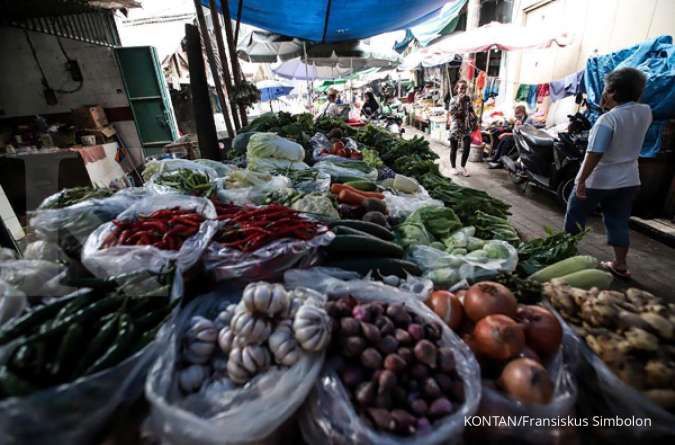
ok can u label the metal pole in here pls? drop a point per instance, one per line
(309, 84)
(214, 68)
(217, 30)
(199, 88)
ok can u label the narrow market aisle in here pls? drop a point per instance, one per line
(652, 262)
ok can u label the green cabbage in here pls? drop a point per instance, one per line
(269, 145)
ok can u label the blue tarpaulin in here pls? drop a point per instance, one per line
(333, 21)
(656, 58)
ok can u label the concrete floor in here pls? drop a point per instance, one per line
(652, 263)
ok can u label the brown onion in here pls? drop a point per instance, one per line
(527, 381)
(543, 332)
(447, 306)
(487, 298)
(498, 337)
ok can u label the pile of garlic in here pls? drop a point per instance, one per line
(270, 326)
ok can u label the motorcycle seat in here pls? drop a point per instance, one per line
(535, 136)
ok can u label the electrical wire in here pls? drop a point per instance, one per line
(63, 50)
(45, 83)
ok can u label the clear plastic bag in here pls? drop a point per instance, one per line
(446, 270)
(266, 263)
(320, 142)
(319, 185)
(7, 254)
(402, 205)
(70, 227)
(269, 165)
(35, 278)
(223, 414)
(12, 302)
(561, 368)
(328, 415)
(44, 250)
(220, 168)
(73, 413)
(123, 259)
(338, 170)
(172, 165)
(602, 393)
(254, 193)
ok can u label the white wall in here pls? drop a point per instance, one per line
(21, 90)
(598, 27)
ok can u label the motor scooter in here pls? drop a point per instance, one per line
(548, 162)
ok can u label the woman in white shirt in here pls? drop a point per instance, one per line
(331, 109)
(609, 176)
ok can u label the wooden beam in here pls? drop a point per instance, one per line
(217, 30)
(232, 46)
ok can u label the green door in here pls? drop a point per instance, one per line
(148, 97)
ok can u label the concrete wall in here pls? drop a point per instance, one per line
(21, 90)
(598, 27)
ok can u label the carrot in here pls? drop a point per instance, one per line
(347, 196)
(337, 188)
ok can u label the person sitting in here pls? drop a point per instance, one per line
(331, 109)
(370, 106)
(505, 141)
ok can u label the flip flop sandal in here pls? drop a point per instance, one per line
(609, 265)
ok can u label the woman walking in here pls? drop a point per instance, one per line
(462, 121)
(609, 175)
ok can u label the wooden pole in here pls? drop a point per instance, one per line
(199, 91)
(214, 68)
(232, 46)
(217, 30)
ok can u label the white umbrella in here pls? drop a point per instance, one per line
(297, 69)
(265, 47)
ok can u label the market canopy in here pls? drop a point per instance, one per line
(297, 69)
(332, 21)
(260, 46)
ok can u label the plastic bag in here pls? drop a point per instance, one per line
(400, 206)
(73, 413)
(12, 302)
(171, 165)
(35, 278)
(269, 164)
(220, 168)
(602, 393)
(7, 254)
(70, 227)
(320, 143)
(336, 170)
(266, 263)
(445, 269)
(123, 259)
(320, 185)
(328, 415)
(561, 369)
(44, 250)
(245, 187)
(223, 414)
(270, 145)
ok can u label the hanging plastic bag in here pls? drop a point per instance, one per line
(221, 413)
(562, 369)
(70, 227)
(73, 413)
(243, 187)
(266, 263)
(123, 259)
(328, 415)
(445, 270)
(35, 278)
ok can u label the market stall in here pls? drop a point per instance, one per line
(324, 280)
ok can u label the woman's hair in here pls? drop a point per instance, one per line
(370, 95)
(627, 84)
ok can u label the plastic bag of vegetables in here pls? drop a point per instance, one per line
(70, 226)
(219, 411)
(155, 168)
(329, 416)
(242, 186)
(12, 302)
(72, 405)
(220, 168)
(445, 269)
(35, 278)
(344, 168)
(402, 205)
(182, 176)
(270, 145)
(184, 226)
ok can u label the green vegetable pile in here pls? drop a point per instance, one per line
(428, 226)
(538, 253)
(493, 227)
(75, 195)
(83, 334)
(371, 158)
(526, 291)
(187, 181)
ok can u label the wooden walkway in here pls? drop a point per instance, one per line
(652, 263)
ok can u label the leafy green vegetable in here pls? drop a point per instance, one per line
(493, 227)
(427, 225)
(538, 253)
(371, 158)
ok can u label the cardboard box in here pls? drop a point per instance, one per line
(92, 116)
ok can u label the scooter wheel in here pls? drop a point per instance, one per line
(516, 178)
(564, 190)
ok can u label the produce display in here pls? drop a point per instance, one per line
(186, 181)
(72, 196)
(398, 374)
(632, 332)
(165, 229)
(270, 327)
(82, 334)
(538, 253)
(248, 228)
(512, 342)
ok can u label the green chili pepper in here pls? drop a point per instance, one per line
(33, 319)
(12, 385)
(70, 344)
(117, 352)
(99, 343)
